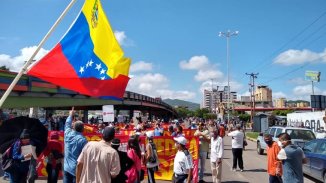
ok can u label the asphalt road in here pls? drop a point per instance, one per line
(254, 167)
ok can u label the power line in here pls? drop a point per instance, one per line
(283, 75)
(287, 43)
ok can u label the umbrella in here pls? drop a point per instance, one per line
(11, 129)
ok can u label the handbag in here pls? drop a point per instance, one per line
(245, 143)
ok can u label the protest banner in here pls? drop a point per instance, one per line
(165, 146)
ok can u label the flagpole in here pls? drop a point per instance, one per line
(21, 72)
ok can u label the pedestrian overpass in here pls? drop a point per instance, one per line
(33, 92)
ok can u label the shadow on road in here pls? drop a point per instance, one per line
(256, 170)
(207, 174)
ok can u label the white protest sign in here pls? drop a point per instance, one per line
(108, 113)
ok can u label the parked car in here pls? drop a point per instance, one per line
(298, 136)
(315, 152)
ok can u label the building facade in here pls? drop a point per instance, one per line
(280, 103)
(213, 98)
(263, 96)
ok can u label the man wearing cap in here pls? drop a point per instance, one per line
(204, 139)
(74, 143)
(125, 162)
(183, 164)
(98, 162)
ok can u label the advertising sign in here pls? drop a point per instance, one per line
(311, 120)
(312, 76)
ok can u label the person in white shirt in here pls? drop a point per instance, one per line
(217, 148)
(237, 147)
(183, 164)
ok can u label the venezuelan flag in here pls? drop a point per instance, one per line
(88, 59)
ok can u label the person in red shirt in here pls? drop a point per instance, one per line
(54, 155)
(274, 166)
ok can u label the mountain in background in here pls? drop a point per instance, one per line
(181, 103)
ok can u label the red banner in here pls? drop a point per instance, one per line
(165, 149)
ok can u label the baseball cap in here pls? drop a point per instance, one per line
(181, 140)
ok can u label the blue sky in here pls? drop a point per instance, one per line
(175, 47)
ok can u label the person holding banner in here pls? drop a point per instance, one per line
(183, 164)
(151, 157)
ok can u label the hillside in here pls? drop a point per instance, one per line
(176, 102)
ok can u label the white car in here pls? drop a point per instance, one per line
(298, 136)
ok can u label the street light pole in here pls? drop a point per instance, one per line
(228, 34)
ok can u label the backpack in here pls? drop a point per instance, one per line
(154, 158)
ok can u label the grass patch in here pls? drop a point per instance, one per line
(253, 135)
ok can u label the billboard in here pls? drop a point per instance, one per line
(312, 76)
(311, 120)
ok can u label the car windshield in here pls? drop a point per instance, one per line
(301, 134)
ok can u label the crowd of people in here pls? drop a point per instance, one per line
(112, 164)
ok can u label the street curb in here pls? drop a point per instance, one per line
(251, 139)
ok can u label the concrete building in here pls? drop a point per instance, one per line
(297, 103)
(280, 103)
(212, 98)
(263, 96)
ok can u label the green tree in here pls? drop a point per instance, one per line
(244, 117)
(183, 112)
(200, 112)
(209, 116)
(5, 68)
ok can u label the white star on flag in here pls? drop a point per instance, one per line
(87, 65)
(91, 63)
(102, 71)
(81, 70)
(98, 67)
(102, 78)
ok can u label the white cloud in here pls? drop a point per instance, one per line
(304, 90)
(141, 66)
(195, 63)
(278, 95)
(203, 75)
(120, 36)
(16, 63)
(298, 81)
(182, 95)
(234, 85)
(295, 57)
(156, 85)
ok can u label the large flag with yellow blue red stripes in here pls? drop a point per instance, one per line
(88, 59)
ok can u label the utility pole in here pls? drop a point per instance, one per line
(252, 94)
